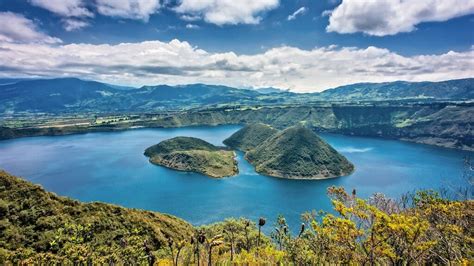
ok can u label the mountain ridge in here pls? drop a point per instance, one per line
(73, 95)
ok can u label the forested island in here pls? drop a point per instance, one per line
(293, 153)
(194, 155)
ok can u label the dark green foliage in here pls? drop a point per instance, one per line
(195, 155)
(297, 152)
(38, 224)
(180, 144)
(250, 136)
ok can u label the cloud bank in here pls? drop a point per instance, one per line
(389, 17)
(178, 62)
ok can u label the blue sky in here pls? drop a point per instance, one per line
(303, 45)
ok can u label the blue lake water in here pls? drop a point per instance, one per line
(111, 167)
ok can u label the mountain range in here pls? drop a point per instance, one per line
(63, 95)
(460, 89)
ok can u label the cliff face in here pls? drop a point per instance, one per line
(437, 124)
(447, 126)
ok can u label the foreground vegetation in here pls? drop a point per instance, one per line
(38, 226)
(420, 228)
(195, 155)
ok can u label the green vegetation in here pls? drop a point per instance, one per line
(38, 227)
(298, 153)
(193, 154)
(250, 136)
(294, 153)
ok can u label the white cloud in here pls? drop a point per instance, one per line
(17, 28)
(190, 17)
(72, 11)
(132, 9)
(300, 11)
(389, 17)
(64, 8)
(221, 12)
(177, 62)
(74, 24)
(192, 26)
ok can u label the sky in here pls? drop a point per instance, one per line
(301, 45)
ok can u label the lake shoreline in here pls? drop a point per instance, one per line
(15, 133)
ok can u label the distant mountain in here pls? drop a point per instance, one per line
(119, 87)
(5, 81)
(52, 95)
(298, 153)
(460, 89)
(250, 136)
(206, 94)
(76, 95)
(270, 90)
(72, 95)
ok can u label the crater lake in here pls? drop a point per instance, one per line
(110, 167)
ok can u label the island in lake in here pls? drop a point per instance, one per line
(294, 153)
(250, 136)
(193, 155)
